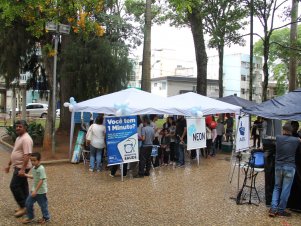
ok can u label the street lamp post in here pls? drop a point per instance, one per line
(58, 29)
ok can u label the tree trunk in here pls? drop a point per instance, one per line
(293, 43)
(196, 24)
(13, 105)
(146, 62)
(65, 92)
(48, 126)
(221, 71)
(23, 92)
(266, 50)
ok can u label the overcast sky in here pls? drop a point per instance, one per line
(181, 40)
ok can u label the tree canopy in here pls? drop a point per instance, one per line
(279, 57)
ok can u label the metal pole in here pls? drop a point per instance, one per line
(251, 51)
(56, 40)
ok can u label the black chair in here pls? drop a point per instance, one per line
(251, 170)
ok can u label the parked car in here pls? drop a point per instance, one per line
(58, 113)
(34, 110)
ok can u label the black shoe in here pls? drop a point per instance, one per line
(284, 214)
(146, 174)
(272, 213)
(138, 176)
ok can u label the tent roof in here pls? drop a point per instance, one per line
(235, 100)
(187, 101)
(138, 102)
(286, 107)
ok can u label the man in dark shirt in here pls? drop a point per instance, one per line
(147, 136)
(181, 140)
(286, 146)
(229, 128)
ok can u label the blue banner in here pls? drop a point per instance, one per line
(77, 117)
(95, 115)
(86, 117)
(122, 139)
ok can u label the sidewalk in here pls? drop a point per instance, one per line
(10, 148)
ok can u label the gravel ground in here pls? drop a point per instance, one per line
(194, 195)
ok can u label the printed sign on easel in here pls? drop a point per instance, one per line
(242, 132)
(122, 139)
(196, 133)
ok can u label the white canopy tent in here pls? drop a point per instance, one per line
(187, 101)
(132, 101)
(136, 102)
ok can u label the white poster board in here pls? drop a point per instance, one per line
(196, 133)
(242, 132)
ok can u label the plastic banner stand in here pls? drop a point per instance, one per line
(155, 151)
(198, 155)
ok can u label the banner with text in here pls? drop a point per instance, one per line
(242, 132)
(196, 133)
(122, 139)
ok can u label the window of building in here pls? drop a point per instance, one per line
(155, 84)
(243, 91)
(243, 77)
(163, 86)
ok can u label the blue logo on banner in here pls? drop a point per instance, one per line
(191, 130)
(242, 129)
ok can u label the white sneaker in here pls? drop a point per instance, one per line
(98, 170)
(91, 170)
(111, 175)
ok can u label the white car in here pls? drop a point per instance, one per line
(34, 110)
(58, 113)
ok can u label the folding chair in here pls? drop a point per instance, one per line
(251, 169)
(85, 156)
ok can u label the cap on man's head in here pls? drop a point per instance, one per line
(22, 122)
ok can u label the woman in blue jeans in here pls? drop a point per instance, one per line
(95, 138)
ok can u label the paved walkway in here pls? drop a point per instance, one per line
(194, 195)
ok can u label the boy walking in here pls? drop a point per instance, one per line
(38, 191)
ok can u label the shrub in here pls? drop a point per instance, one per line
(35, 130)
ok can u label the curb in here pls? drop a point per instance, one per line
(59, 161)
(6, 144)
(49, 162)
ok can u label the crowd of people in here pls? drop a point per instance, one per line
(171, 140)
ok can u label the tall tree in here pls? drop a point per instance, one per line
(34, 15)
(266, 11)
(196, 26)
(146, 61)
(293, 42)
(280, 53)
(189, 13)
(222, 21)
(104, 59)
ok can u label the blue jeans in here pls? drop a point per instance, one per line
(43, 203)
(284, 177)
(180, 153)
(95, 153)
